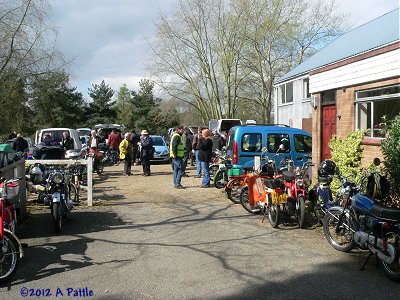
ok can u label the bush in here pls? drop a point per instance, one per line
(347, 154)
(390, 147)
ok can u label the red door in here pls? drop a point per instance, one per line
(328, 129)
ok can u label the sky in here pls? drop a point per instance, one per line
(106, 39)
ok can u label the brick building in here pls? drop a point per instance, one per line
(350, 84)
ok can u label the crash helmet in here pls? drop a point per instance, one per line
(37, 174)
(326, 171)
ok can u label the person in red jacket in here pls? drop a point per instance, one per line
(113, 141)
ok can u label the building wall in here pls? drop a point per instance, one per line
(345, 121)
(292, 114)
(371, 69)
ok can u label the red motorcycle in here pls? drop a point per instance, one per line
(290, 197)
(11, 248)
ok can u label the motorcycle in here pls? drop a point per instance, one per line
(221, 176)
(360, 221)
(237, 181)
(11, 248)
(59, 196)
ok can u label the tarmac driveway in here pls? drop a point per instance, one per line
(146, 240)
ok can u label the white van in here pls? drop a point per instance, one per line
(57, 135)
(223, 125)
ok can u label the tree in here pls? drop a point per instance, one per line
(223, 56)
(27, 41)
(124, 107)
(55, 103)
(101, 110)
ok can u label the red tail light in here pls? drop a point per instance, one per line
(235, 153)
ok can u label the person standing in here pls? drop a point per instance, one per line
(114, 141)
(187, 142)
(218, 142)
(205, 154)
(195, 146)
(125, 153)
(20, 144)
(177, 152)
(67, 143)
(93, 144)
(147, 151)
(135, 139)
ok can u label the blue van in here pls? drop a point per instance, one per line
(245, 142)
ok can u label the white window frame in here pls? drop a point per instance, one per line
(371, 100)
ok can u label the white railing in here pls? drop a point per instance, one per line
(88, 162)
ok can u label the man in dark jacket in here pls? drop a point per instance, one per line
(67, 143)
(205, 154)
(146, 151)
(135, 139)
(217, 141)
(20, 144)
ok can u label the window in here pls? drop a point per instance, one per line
(306, 88)
(274, 140)
(328, 97)
(374, 107)
(285, 93)
(251, 142)
(158, 141)
(302, 143)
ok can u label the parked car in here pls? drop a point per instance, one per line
(161, 153)
(57, 135)
(103, 130)
(245, 142)
(84, 131)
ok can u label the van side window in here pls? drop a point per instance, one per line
(251, 142)
(276, 139)
(230, 139)
(302, 143)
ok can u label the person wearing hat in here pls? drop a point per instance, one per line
(125, 153)
(177, 152)
(146, 151)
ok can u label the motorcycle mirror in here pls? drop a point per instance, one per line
(282, 147)
(264, 149)
(377, 161)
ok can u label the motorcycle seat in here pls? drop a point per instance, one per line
(287, 175)
(387, 213)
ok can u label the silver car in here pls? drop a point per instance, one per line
(161, 153)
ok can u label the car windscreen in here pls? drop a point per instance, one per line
(54, 135)
(83, 132)
(158, 141)
(302, 143)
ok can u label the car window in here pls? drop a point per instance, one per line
(157, 141)
(274, 140)
(229, 142)
(55, 135)
(251, 142)
(302, 143)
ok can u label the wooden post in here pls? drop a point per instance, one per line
(90, 181)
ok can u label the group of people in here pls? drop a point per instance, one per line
(203, 144)
(129, 148)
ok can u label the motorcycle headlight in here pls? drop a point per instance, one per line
(57, 177)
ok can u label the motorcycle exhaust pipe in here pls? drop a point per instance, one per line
(365, 239)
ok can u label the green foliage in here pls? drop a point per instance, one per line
(55, 103)
(391, 152)
(16, 114)
(124, 107)
(101, 110)
(347, 154)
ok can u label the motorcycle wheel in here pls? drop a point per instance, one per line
(232, 192)
(301, 211)
(73, 193)
(244, 200)
(220, 179)
(57, 216)
(392, 271)
(9, 260)
(274, 212)
(342, 241)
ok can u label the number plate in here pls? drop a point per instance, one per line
(278, 198)
(56, 197)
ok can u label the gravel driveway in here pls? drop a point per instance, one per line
(146, 240)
